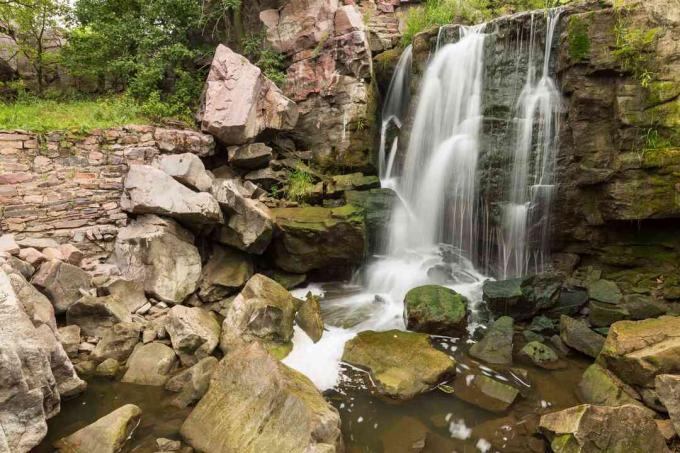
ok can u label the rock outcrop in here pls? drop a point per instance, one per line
(285, 411)
(240, 102)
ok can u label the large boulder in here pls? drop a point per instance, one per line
(249, 226)
(194, 333)
(159, 254)
(240, 102)
(226, 271)
(176, 141)
(35, 370)
(263, 311)
(436, 310)
(638, 351)
(150, 364)
(402, 364)
(522, 298)
(117, 343)
(97, 315)
(599, 429)
(314, 238)
(577, 334)
(601, 387)
(61, 282)
(250, 157)
(285, 412)
(35, 304)
(185, 168)
(668, 388)
(192, 383)
(148, 190)
(496, 345)
(128, 292)
(107, 435)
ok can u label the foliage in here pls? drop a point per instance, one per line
(32, 25)
(579, 42)
(271, 62)
(300, 185)
(41, 115)
(634, 48)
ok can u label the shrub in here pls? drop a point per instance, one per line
(300, 185)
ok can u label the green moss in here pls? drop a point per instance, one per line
(634, 49)
(579, 42)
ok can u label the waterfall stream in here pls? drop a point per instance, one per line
(439, 229)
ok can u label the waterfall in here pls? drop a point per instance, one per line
(526, 214)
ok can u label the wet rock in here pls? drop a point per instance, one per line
(637, 351)
(318, 238)
(376, 206)
(250, 157)
(604, 291)
(108, 368)
(191, 384)
(285, 411)
(249, 226)
(577, 334)
(96, 315)
(159, 254)
(194, 333)
(339, 184)
(601, 387)
(150, 364)
(402, 364)
(36, 370)
(286, 279)
(308, 317)
(485, 392)
(148, 190)
(541, 355)
(522, 298)
(187, 169)
(61, 283)
(69, 337)
(586, 428)
(668, 388)
(117, 343)
(240, 102)
(263, 311)
(496, 346)
(226, 271)
(436, 310)
(107, 435)
(129, 292)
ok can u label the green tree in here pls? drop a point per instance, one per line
(32, 25)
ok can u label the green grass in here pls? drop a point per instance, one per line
(39, 115)
(300, 185)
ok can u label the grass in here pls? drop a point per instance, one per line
(40, 115)
(300, 185)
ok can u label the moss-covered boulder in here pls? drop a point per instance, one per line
(604, 291)
(436, 310)
(599, 429)
(577, 334)
(496, 346)
(308, 317)
(376, 206)
(631, 307)
(314, 238)
(402, 364)
(541, 355)
(638, 351)
(601, 387)
(522, 298)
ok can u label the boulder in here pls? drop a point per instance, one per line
(226, 271)
(240, 102)
(148, 190)
(485, 392)
(522, 298)
(435, 310)
(337, 185)
(604, 291)
(192, 383)
(25, 269)
(577, 334)
(194, 333)
(263, 311)
(107, 435)
(71, 254)
(668, 388)
(541, 355)
(187, 169)
(285, 411)
(117, 343)
(128, 292)
(61, 283)
(150, 364)
(176, 141)
(308, 317)
(593, 429)
(267, 178)
(496, 346)
(108, 368)
(402, 364)
(249, 226)
(601, 387)
(250, 157)
(35, 370)
(32, 256)
(569, 303)
(96, 315)
(638, 351)
(314, 238)
(37, 243)
(159, 254)
(69, 337)
(35, 304)
(9, 245)
(631, 306)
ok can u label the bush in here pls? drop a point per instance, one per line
(300, 185)
(271, 62)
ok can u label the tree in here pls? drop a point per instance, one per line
(32, 26)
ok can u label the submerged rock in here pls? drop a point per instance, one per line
(61, 282)
(595, 429)
(402, 364)
(485, 392)
(577, 334)
(150, 364)
(496, 346)
(436, 310)
(257, 404)
(107, 435)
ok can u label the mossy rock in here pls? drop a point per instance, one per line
(436, 310)
(602, 387)
(401, 364)
(496, 346)
(604, 291)
(541, 355)
(485, 392)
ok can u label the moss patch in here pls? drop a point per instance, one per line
(579, 42)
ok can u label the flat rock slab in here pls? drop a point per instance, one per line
(402, 364)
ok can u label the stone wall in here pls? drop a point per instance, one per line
(68, 186)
